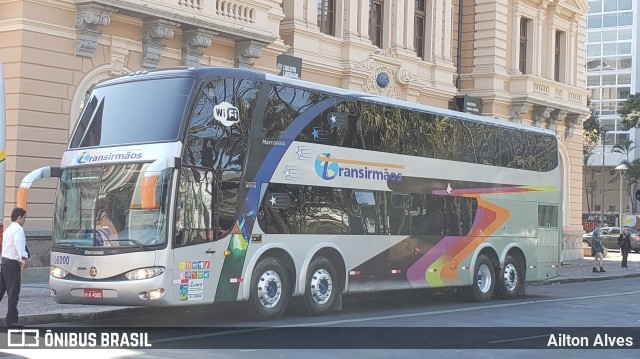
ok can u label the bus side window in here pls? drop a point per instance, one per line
(399, 218)
(194, 217)
(365, 202)
(226, 210)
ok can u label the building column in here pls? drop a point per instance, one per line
(572, 58)
(429, 30)
(514, 69)
(438, 31)
(311, 14)
(398, 25)
(536, 66)
(363, 19)
(340, 18)
(409, 25)
(551, 41)
(448, 31)
(351, 17)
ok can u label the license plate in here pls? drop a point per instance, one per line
(93, 293)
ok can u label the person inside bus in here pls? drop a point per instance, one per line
(106, 232)
(597, 249)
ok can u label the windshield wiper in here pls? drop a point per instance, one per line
(138, 244)
(75, 246)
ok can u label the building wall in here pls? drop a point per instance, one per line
(47, 48)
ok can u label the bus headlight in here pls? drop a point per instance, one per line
(144, 273)
(58, 272)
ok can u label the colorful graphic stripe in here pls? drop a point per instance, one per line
(473, 192)
(439, 266)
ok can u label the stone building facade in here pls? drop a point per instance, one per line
(524, 59)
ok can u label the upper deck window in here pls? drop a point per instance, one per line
(133, 112)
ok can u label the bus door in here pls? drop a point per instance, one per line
(549, 241)
(195, 257)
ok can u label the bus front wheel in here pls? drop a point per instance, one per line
(484, 277)
(270, 290)
(510, 281)
(321, 287)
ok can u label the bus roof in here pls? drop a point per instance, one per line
(226, 72)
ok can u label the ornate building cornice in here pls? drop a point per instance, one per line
(246, 51)
(193, 41)
(89, 18)
(153, 32)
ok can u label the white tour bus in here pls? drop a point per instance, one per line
(200, 185)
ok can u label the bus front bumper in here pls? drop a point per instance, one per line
(147, 292)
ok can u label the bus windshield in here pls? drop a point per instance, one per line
(101, 206)
(133, 112)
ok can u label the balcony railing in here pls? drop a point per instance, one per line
(224, 16)
(547, 90)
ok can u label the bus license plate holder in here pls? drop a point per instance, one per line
(93, 293)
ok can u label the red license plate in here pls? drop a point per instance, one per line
(93, 293)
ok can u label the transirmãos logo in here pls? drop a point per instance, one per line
(329, 167)
(88, 157)
(326, 168)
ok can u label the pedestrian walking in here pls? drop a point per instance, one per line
(14, 260)
(624, 241)
(597, 249)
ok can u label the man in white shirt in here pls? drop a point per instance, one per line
(14, 259)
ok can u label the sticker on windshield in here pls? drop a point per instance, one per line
(226, 114)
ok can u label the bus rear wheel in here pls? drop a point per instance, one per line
(484, 277)
(270, 290)
(321, 287)
(510, 281)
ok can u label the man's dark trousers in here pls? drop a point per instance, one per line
(10, 280)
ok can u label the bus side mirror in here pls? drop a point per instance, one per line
(148, 187)
(148, 198)
(29, 179)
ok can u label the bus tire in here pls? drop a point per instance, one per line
(510, 280)
(321, 287)
(484, 279)
(270, 290)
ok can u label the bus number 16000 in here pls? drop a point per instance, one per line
(61, 260)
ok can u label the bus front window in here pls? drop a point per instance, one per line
(101, 206)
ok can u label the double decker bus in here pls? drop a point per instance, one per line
(202, 185)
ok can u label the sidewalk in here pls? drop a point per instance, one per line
(36, 305)
(580, 270)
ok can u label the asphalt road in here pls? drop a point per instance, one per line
(602, 303)
(400, 325)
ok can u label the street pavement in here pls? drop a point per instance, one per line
(36, 306)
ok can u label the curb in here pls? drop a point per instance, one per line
(49, 318)
(582, 279)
